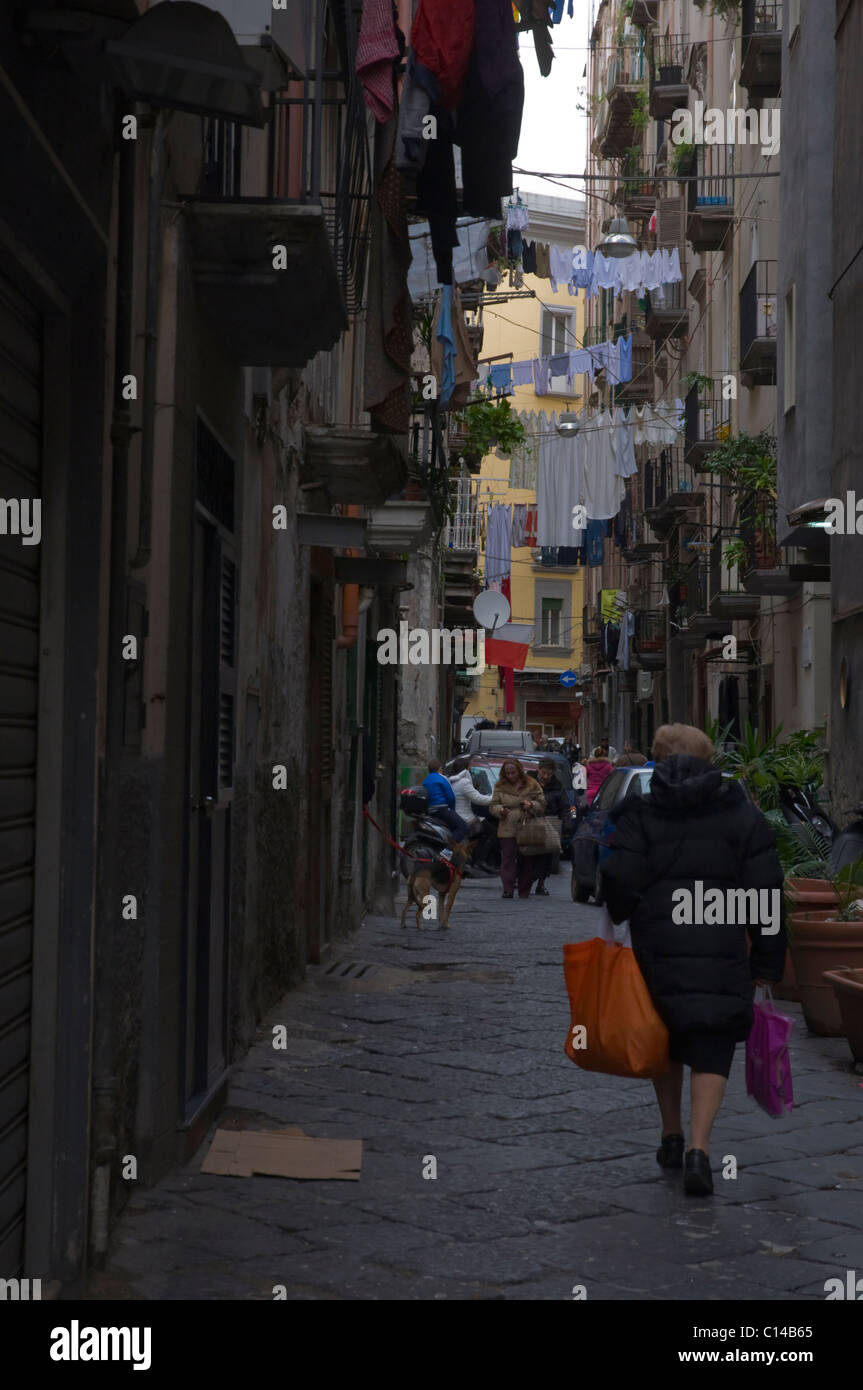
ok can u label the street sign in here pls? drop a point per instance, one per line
(569, 678)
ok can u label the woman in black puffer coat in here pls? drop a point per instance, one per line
(694, 825)
(556, 806)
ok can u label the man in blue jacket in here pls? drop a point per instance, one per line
(441, 794)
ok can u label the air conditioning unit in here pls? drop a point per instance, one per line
(644, 686)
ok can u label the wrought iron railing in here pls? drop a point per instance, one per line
(714, 184)
(708, 418)
(758, 305)
(626, 67)
(668, 58)
(665, 475)
(758, 531)
(319, 146)
(761, 17)
(650, 631)
(462, 528)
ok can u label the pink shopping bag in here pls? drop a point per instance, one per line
(768, 1066)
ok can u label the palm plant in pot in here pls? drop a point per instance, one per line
(824, 942)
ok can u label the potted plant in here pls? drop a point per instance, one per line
(804, 856)
(822, 945)
(683, 160)
(847, 984)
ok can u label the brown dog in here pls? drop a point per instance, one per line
(428, 874)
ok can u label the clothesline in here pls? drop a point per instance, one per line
(614, 358)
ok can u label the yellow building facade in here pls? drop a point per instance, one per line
(548, 597)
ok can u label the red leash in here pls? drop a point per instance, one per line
(413, 858)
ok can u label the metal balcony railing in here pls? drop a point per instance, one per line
(626, 67)
(761, 17)
(650, 632)
(708, 423)
(668, 58)
(758, 315)
(462, 528)
(758, 530)
(713, 187)
(666, 476)
(319, 146)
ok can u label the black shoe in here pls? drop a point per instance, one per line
(670, 1152)
(541, 891)
(506, 895)
(697, 1177)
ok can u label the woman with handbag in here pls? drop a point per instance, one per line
(556, 806)
(516, 799)
(694, 827)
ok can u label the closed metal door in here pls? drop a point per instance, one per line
(20, 483)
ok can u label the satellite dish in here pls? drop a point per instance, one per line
(491, 609)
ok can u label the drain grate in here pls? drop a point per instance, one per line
(352, 970)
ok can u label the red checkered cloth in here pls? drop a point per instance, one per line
(376, 49)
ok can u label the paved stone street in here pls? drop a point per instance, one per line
(451, 1044)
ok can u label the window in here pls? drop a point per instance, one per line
(790, 374)
(607, 793)
(554, 333)
(552, 610)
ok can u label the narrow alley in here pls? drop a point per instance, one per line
(450, 1044)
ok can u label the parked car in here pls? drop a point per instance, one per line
(499, 741)
(485, 770)
(591, 829)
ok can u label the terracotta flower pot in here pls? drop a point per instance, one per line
(817, 945)
(847, 985)
(811, 892)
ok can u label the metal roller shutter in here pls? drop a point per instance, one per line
(20, 477)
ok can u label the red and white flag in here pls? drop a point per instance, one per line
(508, 645)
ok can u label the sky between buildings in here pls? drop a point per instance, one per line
(553, 130)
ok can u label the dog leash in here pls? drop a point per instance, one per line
(415, 859)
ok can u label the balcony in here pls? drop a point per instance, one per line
(669, 317)
(710, 199)
(278, 275)
(669, 89)
(635, 190)
(758, 325)
(729, 600)
(649, 644)
(708, 424)
(641, 387)
(590, 633)
(766, 565)
(399, 525)
(624, 87)
(353, 464)
(645, 13)
(761, 53)
(690, 604)
(668, 491)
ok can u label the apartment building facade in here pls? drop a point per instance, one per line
(191, 708)
(729, 620)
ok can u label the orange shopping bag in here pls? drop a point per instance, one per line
(623, 1034)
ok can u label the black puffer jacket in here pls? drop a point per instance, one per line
(693, 824)
(556, 802)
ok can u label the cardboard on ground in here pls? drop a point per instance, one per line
(283, 1153)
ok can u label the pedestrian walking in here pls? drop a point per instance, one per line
(597, 767)
(694, 825)
(515, 795)
(556, 805)
(442, 796)
(630, 757)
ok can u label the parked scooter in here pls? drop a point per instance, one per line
(799, 806)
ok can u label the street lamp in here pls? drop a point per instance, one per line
(618, 241)
(568, 423)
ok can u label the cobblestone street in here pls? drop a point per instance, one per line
(451, 1045)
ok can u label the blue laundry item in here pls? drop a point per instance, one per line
(625, 363)
(522, 373)
(540, 376)
(501, 376)
(559, 364)
(595, 542)
(556, 8)
(445, 336)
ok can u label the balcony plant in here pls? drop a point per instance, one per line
(489, 424)
(683, 159)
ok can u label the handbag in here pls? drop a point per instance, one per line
(614, 1026)
(530, 835)
(768, 1065)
